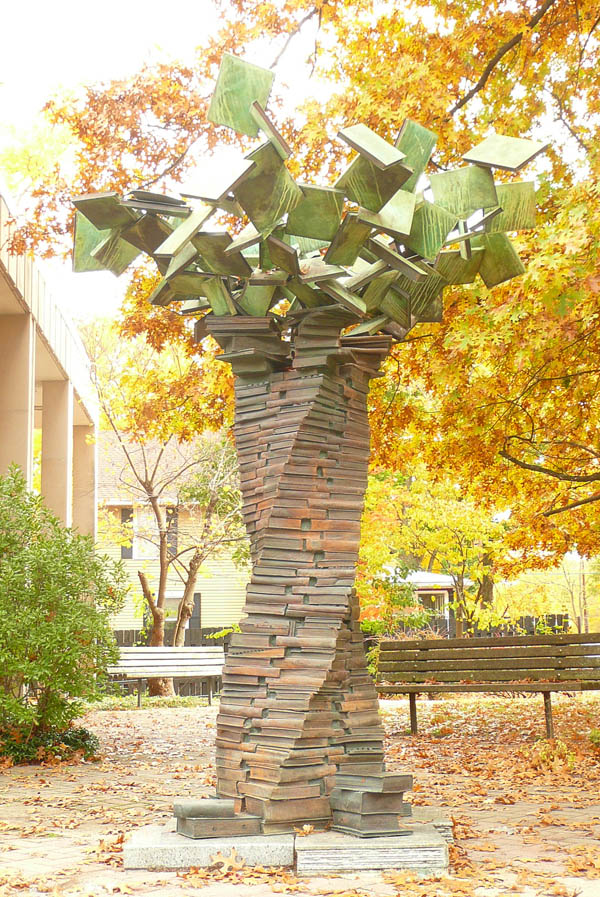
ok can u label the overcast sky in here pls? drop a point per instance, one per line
(48, 47)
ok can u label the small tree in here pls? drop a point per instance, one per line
(56, 598)
(159, 412)
(198, 478)
(414, 522)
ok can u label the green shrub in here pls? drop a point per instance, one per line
(48, 746)
(594, 737)
(56, 598)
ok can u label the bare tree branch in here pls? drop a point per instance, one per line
(541, 468)
(498, 55)
(574, 504)
(293, 34)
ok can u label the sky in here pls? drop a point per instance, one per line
(51, 47)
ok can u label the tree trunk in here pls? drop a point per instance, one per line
(295, 676)
(159, 686)
(485, 595)
(584, 600)
(186, 605)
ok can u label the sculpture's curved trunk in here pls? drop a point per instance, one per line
(297, 700)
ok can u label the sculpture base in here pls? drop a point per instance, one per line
(423, 850)
(159, 847)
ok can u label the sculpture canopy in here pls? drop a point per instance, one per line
(299, 738)
(371, 244)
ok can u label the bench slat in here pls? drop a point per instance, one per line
(167, 674)
(490, 676)
(443, 688)
(592, 638)
(397, 654)
(172, 661)
(512, 663)
(171, 652)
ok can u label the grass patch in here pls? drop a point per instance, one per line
(129, 702)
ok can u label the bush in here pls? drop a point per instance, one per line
(56, 599)
(48, 746)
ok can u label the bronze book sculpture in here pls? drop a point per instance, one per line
(306, 302)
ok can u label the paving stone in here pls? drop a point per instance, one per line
(423, 851)
(157, 847)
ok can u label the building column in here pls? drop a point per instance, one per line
(17, 393)
(57, 448)
(84, 480)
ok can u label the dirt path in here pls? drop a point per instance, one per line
(527, 816)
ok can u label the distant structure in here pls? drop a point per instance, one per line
(221, 586)
(306, 301)
(44, 385)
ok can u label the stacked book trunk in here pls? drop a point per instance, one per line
(369, 806)
(298, 704)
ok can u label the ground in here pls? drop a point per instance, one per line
(527, 812)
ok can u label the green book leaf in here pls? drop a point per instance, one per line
(113, 253)
(369, 186)
(181, 261)
(86, 238)
(265, 124)
(317, 215)
(239, 84)
(397, 307)
(104, 210)
(500, 260)
(212, 246)
(257, 300)
(307, 295)
(417, 143)
(518, 208)
(457, 269)
(349, 300)
(283, 256)
(396, 216)
(371, 146)
(509, 153)
(377, 289)
(430, 228)
(147, 233)
(269, 191)
(464, 190)
(393, 259)
(348, 241)
(186, 230)
(219, 297)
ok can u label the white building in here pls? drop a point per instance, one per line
(44, 384)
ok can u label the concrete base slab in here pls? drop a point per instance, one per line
(424, 851)
(440, 819)
(157, 847)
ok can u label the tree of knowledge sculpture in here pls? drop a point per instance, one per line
(306, 303)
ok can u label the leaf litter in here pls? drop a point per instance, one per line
(526, 811)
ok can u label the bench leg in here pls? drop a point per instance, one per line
(210, 692)
(548, 714)
(412, 703)
(140, 687)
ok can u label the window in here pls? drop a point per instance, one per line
(434, 601)
(127, 524)
(172, 517)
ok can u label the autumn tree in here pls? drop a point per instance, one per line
(503, 393)
(156, 411)
(414, 522)
(571, 588)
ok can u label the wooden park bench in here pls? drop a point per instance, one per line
(204, 663)
(541, 663)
